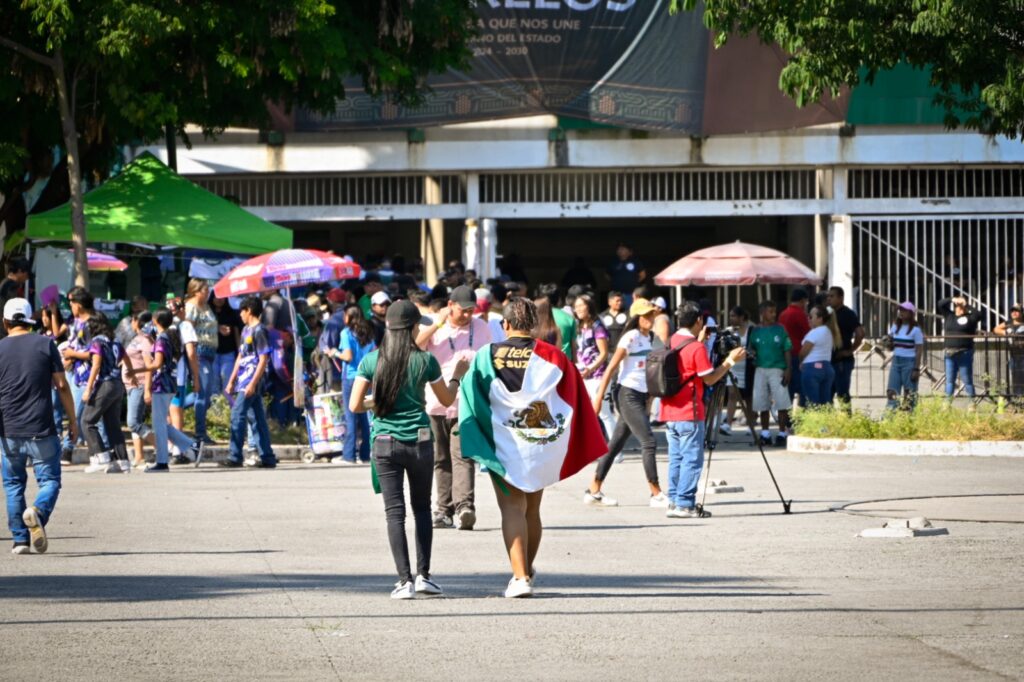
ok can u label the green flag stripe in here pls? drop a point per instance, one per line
(476, 432)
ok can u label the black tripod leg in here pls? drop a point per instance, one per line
(711, 422)
(785, 504)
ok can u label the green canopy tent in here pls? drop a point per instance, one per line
(149, 203)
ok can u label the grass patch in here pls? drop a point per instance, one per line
(933, 419)
(218, 425)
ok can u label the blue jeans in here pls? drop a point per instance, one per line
(206, 380)
(282, 407)
(162, 430)
(137, 412)
(963, 364)
(685, 461)
(45, 454)
(817, 379)
(242, 409)
(795, 385)
(900, 382)
(58, 421)
(356, 424)
(223, 364)
(843, 373)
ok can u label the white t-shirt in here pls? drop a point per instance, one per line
(633, 370)
(821, 337)
(739, 370)
(906, 340)
(188, 335)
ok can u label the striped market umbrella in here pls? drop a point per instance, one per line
(285, 269)
(101, 262)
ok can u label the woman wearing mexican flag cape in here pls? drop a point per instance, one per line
(525, 414)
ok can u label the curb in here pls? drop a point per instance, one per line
(905, 448)
(213, 453)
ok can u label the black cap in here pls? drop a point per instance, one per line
(403, 315)
(463, 296)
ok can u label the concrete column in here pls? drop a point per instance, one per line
(432, 234)
(825, 178)
(471, 245)
(840, 254)
(488, 249)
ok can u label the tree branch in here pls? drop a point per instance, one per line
(27, 52)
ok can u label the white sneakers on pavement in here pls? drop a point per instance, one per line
(35, 529)
(427, 588)
(659, 501)
(98, 463)
(519, 588)
(599, 499)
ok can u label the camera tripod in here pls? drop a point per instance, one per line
(712, 420)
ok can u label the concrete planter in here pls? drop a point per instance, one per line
(906, 448)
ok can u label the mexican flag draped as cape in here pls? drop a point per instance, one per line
(533, 437)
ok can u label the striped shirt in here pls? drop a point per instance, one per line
(905, 340)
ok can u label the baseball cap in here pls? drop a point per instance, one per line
(1018, 307)
(484, 295)
(660, 302)
(380, 298)
(641, 306)
(336, 295)
(907, 305)
(18, 310)
(463, 296)
(403, 315)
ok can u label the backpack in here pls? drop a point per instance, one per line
(663, 378)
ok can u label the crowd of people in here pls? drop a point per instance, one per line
(380, 341)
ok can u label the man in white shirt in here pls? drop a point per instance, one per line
(455, 334)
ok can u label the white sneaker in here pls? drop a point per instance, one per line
(599, 499)
(114, 468)
(98, 463)
(725, 430)
(660, 501)
(35, 528)
(427, 587)
(403, 590)
(518, 588)
(126, 466)
(620, 458)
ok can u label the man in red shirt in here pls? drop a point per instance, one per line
(684, 411)
(794, 319)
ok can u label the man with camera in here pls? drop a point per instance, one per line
(684, 411)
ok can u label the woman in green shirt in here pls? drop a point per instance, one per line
(397, 373)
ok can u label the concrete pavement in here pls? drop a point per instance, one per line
(212, 574)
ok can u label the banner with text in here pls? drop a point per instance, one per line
(621, 62)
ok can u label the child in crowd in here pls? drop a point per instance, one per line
(772, 351)
(245, 386)
(103, 397)
(136, 355)
(161, 388)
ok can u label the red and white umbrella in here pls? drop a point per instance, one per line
(285, 269)
(736, 264)
(101, 262)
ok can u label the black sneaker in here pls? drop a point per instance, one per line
(67, 455)
(229, 463)
(178, 460)
(259, 463)
(780, 441)
(20, 548)
(766, 441)
(156, 468)
(197, 452)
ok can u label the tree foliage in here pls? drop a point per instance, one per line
(126, 70)
(973, 48)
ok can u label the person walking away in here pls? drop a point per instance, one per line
(229, 330)
(397, 374)
(524, 415)
(564, 320)
(547, 330)
(592, 357)
(186, 367)
(907, 352)
(330, 342)
(161, 387)
(771, 351)
(136, 355)
(354, 344)
(851, 335)
(740, 380)
(794, 319)
(13, 286)
(200, 315)
(1014, 329)
(245, 387)
(683, 412)
(454, 335)
(631, 355)
(816, 371)
(30, 366)
(104, 398)
(960, 324)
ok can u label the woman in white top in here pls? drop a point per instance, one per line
(631, 355)
(816, 373)
(908, 348)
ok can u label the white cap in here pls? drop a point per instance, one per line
(484, 295)
(18, 310)
(660, 302)
(380, 298)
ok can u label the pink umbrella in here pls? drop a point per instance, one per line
(284, 269)
(101, 262)
(734, 265)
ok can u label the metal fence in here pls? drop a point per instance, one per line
(998, 366)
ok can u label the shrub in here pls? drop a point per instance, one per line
(934, 419)
(218, 425)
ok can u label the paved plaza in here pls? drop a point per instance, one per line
(212, 574)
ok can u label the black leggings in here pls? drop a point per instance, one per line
(104, 406)
(395, 460)
(634, 421)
